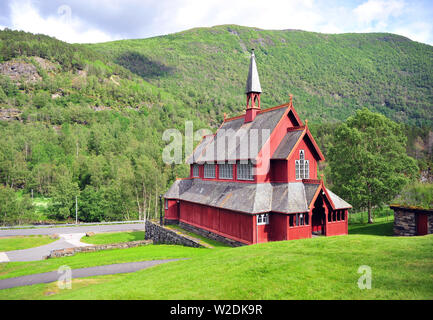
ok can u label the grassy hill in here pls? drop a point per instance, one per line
(319, 268)
(329, 75)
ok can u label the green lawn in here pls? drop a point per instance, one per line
(114, 237)
(318, 268)
(23, 242)
(104, 257)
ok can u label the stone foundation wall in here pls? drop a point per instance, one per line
(162, 235)
(404, 223)
(211, 235)
(73, 251)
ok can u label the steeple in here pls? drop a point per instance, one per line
(252, 90)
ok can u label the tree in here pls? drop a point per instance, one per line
(63, 192)
(368, 160)
(14, 209)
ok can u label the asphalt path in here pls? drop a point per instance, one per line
(80, 229)
(69, 238)
(49, 277)
(39, 253)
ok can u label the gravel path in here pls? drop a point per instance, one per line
(80, 273)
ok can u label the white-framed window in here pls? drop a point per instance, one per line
(166, 204)
(302, 167)
(262, 219)
(245, 171)
(195, 171)
(209, 170)
(225, 171)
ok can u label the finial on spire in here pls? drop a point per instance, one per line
(306, 122)
(225, 116)
(291, 98)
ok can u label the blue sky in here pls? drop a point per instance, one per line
(98, 21)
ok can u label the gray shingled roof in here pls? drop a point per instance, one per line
(338, 202)
(287, 144)
(251, 198)
(239, 138)
(253, 82)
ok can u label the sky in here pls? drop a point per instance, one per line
(90, 21)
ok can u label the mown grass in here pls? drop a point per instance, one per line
(318, 268)
(23, 242)
(98, 258)
(114, 237)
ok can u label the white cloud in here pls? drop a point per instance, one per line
(270, 14)
(418, 31)
(63, 24)
(91, 21)
(378, 10)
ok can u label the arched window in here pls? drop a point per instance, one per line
(302, 167)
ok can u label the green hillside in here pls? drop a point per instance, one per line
(87, 120)
(329, 75)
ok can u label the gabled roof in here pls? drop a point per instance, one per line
(291, 140)
(292, 197)
(253, 82)
(287, 144)
(239, 138)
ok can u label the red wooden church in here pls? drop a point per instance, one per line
(255, 179)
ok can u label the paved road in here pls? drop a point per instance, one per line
(38, 253)
(80, 273)
(69, 238)
(82, 229)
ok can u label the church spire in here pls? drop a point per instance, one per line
(252, 90)
(253, 82)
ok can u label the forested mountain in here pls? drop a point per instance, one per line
(87, 120)
(329, 75)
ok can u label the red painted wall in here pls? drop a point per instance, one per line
(171, 213)
(279, 225)
(336, 228)
(264, 232)
(307, 147)
(299, 232)
(279, 171)
(227, 223)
